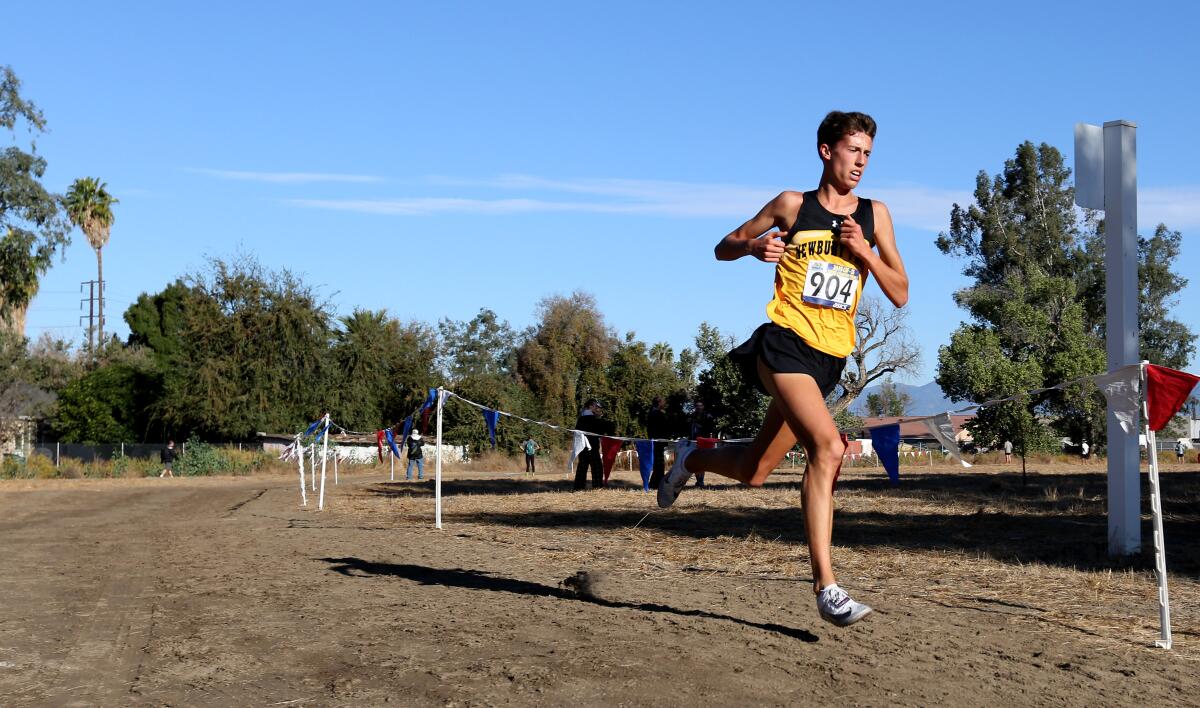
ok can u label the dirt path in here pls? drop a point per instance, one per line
(223, 592)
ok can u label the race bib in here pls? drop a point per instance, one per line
(830, 285)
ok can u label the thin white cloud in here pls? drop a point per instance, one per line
(286, 177)
(912, 206)
(1177, 207)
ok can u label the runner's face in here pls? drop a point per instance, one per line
(846, 161)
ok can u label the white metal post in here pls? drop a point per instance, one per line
(1106, 178)
(391, 464)
(437, 484)
(335, 466)
(312, 464)
(1160, 548)
(300, 460)
(324, 458)
(1121, 283)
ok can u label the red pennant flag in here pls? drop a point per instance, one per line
(1166, 392)
(608, 454)
(379, 444)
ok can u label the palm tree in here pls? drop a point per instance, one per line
(89, 206)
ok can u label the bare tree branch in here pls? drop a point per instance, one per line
(885, 346)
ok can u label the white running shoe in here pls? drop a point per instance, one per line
(671, 485)
(837, 608)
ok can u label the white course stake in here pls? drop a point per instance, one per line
(391, 464)
(300, 460)
(312, 464)
(324, 457)
(437, 485)
(1160, 550)
(335, 456)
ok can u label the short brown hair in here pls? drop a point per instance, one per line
(838, 125)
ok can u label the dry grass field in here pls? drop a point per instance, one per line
(224, 591)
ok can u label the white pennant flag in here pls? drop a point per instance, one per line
(580, 444)
(943, 430)
(1122, 389)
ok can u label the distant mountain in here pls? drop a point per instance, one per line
(927, 399)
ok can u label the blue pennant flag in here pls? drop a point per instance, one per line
(429, 400)
(313, 427)
(491, 417)
(406, 430)
(886, 441)
(645, 452)
(391, 441)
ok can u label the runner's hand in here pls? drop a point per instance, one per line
(768, 248)
(852, 239)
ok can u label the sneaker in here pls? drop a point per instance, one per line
(675, 480)
(837, 608)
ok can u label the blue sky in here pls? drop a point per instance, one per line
(436, 158)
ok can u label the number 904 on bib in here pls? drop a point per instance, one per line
(830, 285)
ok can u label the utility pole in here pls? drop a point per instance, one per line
(91, 315)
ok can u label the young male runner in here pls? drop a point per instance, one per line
(828, 240)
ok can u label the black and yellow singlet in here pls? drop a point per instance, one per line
(817, 286)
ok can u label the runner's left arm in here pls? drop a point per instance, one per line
(887, 265)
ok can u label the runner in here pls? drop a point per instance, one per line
(824, 248)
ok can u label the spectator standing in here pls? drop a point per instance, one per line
(1085, 450)
(415, 454)
(168, 459)
(658, 429)
(590, 421)
(1007, 451)
(531, 447)
(700, 425)
(1179, 450)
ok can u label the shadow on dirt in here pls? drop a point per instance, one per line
(511, 485)
(1053, 519)
(481, 580)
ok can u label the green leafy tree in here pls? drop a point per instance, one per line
(89, 206)
(32, 229)
(156, 321)
(889, 401)
(111, 403)
(737, 408)
(1021, 243)
(382, 367)
(479, 357)
(254, 354)
(1037, 305)
(563, 359)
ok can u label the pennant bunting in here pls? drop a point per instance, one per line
(645, 453)
(391, 439)
(886, 441)
(609, 447)
(1121, 388)
(491, 417)
(579, 443)
(942, 429)
(313, 427)
(1166, 392)
(404, 431)
(379, 444)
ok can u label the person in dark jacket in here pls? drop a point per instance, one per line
(168, 459)
(658, 429)
(591, 421)
(415, 454)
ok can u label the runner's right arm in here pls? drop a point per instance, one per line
(756, 238)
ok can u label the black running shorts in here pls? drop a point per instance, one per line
(784, 352)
